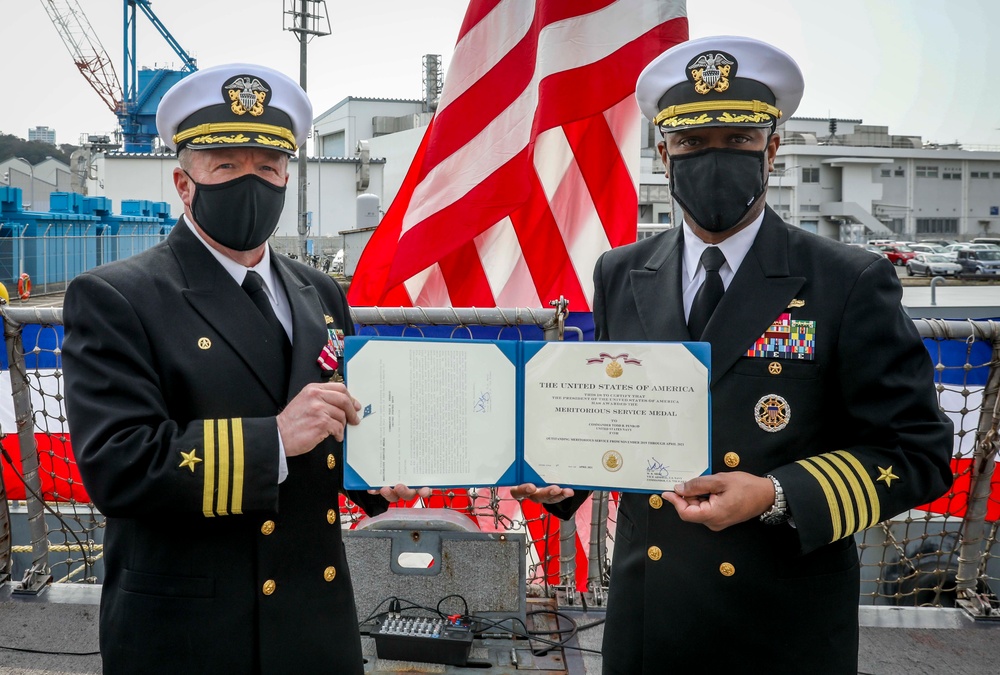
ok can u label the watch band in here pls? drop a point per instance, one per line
(778, 513)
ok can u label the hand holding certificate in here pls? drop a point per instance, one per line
(631, 416)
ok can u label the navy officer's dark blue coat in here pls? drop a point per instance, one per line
(171, 393)
(865, 441)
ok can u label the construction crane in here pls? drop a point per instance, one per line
(134, 104)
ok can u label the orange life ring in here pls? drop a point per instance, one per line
(24, 286)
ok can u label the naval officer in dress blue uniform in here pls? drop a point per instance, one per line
(204, 426)
(824, 417)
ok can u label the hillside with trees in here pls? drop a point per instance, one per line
(33, 151)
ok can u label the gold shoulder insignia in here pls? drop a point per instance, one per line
(796, 303)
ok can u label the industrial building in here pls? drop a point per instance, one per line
(42, 135)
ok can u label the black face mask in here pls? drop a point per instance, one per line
(239, 214)
(717, 187)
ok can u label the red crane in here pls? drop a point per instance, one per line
(86, 49)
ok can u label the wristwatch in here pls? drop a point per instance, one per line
(778, 513)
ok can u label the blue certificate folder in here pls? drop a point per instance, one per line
(593, 415)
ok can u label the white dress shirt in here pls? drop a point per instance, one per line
(735, 248)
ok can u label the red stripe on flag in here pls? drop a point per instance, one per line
(466, 280)
(607, 177)
(57, 471)
(956, 502)
(545, 251)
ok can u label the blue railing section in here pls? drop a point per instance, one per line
(76, 234)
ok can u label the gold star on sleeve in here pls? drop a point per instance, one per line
(886, 476)
(190, 459)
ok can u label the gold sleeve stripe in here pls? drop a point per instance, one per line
(238, 467)
(208, 492)
(843, 496)
(225, 451)
(866, 482)
(831, 500)
(860, 502)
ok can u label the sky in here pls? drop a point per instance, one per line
(920, 67)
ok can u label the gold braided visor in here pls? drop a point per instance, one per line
(711, 106)
(235, 127)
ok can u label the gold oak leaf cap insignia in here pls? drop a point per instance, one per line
(190, 459)
(887, 476)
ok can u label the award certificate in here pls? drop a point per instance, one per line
(463, 413)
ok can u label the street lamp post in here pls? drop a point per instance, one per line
(31, 170)
(781, 174)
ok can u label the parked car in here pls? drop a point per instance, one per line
(928, 248)
(939, 242)
(897, 253)
(979, 261)
(933, 265)
(871, 249)
(987, 240)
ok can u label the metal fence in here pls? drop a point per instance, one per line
(945, 554)
(52, 257)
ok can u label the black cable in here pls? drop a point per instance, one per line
(42, 651)
(465, 604)
(529, 637)
(526, 634)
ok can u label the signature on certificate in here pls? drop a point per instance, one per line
(655, 467)
(482, 403)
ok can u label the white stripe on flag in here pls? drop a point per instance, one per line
(504, 265)
(428, 289)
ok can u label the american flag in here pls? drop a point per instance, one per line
(527, 171)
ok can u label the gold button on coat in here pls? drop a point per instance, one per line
(732, 460)
(267, 527)
(727, 569)
(330, 573)
(268, 587)
(331, 462)
(331, 516)
(654, 553)
(655, 501)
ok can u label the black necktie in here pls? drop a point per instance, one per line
(709, 294)
(254, 287)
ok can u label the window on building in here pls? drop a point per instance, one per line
(899, 173)
(897, 225)
(809, 208)
(810, 226)
(979, 174)
(996, 174)
(951, 174)
(937, 225)
(886, 173)
(810, 175)
(664, 218)
(927, 172)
